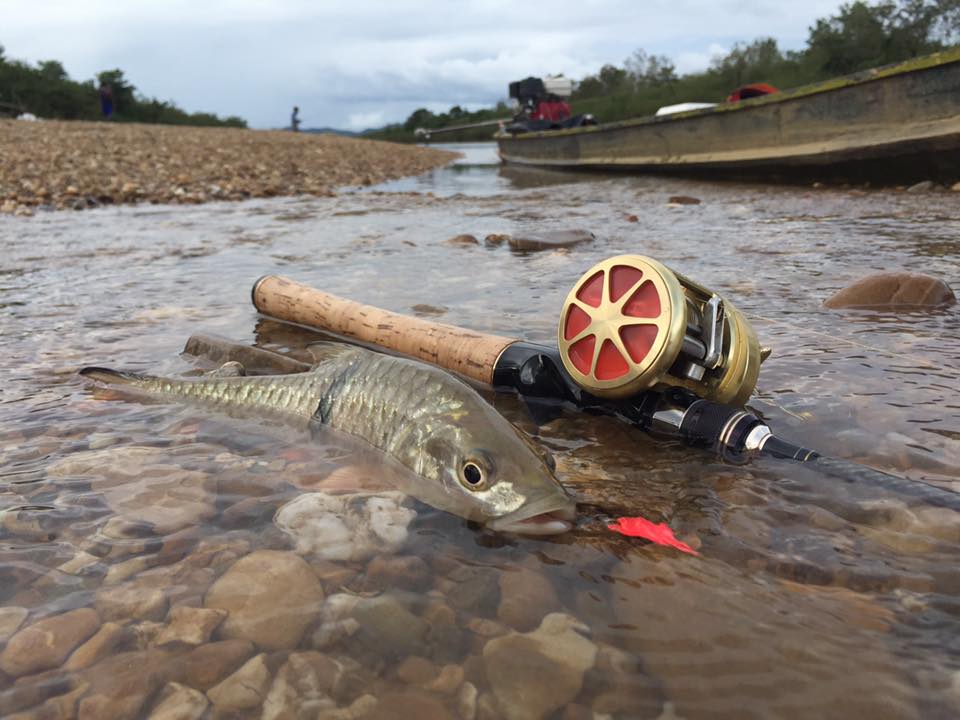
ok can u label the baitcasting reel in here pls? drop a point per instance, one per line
(635, 340)
(631, 324)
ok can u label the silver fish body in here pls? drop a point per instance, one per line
(463, 456)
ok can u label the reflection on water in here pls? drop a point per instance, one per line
(140, 537)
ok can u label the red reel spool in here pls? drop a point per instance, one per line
(622, 326)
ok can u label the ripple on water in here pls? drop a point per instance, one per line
(812, 597)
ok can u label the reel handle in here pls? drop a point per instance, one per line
(467, 352)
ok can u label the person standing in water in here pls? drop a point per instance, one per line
(295, 119)
(106, 99)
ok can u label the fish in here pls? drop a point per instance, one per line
(455, 451)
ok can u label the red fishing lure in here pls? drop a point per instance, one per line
(659, 533)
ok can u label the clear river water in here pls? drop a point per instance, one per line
(811, 597)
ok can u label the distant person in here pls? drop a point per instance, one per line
(295, 119)
(106, 100)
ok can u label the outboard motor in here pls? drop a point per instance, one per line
(528, 93)
(543, 105)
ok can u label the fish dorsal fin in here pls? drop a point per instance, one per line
(325, 350)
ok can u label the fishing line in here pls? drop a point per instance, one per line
(854, 343)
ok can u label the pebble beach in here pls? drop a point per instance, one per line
(77, 165)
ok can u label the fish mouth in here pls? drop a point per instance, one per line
(548, 517)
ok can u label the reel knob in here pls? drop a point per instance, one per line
(622, 326)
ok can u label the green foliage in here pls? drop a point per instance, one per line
(650, 71)
(52, 70)
(423, 118)
(863, 36)
(858, 37)
(611, 80)
(47, 91)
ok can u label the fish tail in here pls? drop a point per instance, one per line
(113, 377)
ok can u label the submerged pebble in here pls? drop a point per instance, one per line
(302, 687)
(207, 665)
(270, 597)
(525, 598)
(179, 702)
(346, 527)
(518, 663)
(190, 626)
(46, 643)
(11, 618)
(141, 486)
(103, 642)
(245, 688)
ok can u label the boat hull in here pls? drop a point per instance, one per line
(894, 123)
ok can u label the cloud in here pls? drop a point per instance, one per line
(690, 62)
(344, 61)
(362, 121)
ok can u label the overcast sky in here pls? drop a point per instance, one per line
(357, 63)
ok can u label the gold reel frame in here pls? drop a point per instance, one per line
(648, 364)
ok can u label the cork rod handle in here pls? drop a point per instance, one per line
(466, 352)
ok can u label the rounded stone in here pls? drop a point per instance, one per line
(464, 239)
(178, 702)
(271, 597)
(208, 665)
(526, 597)
(407, 705)
(11, 618)
(46, 643)
(416, 670)
(131, 601)
(120, 684)
(246, 688)
(189, 625)
(406, 572)
(517, 664)
(97, 647)
(893, 290)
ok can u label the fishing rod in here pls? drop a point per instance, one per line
(635, 340)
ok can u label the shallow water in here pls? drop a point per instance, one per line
(811, 598)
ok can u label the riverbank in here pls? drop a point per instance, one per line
(76, 165)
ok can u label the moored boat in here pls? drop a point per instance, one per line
(892, 124)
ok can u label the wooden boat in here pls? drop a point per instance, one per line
(895, 123)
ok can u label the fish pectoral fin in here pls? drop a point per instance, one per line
(326, 350)
(111, 377)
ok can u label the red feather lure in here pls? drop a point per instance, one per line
(659, 533)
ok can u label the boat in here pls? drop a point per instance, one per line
(896, 123)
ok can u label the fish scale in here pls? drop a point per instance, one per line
(368, 395)
(436, 426)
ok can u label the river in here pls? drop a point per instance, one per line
(811, 597)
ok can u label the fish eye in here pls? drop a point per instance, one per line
(472, 475)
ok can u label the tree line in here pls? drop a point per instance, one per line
(46, 91)
(423, 118)
(859, 36)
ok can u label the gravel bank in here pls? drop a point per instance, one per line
(75, 165)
